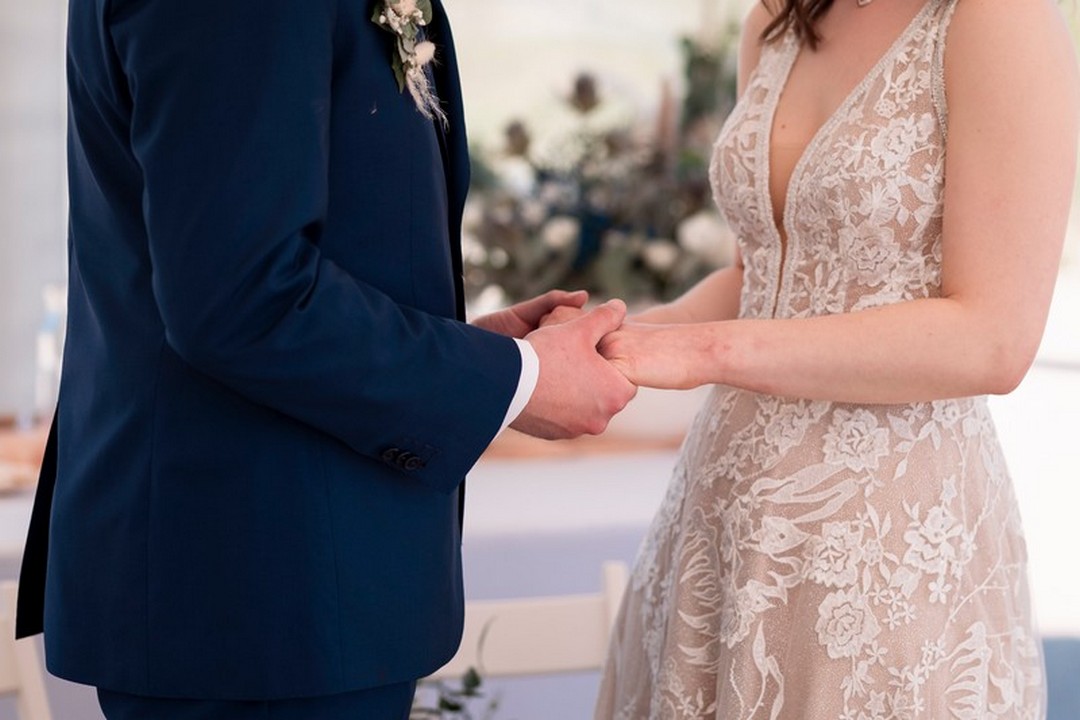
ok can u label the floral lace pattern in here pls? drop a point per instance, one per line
(829, 560)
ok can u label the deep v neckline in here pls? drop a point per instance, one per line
(781, 231)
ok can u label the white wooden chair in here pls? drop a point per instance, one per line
(535, 636)
(21, 672)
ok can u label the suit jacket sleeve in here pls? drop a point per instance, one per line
(230, 112)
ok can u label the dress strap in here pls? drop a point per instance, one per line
(937, 75)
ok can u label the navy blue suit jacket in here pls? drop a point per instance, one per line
(268, 402)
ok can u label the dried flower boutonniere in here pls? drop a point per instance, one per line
(405, 19)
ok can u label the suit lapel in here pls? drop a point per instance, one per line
(455, 148)
(452, 140)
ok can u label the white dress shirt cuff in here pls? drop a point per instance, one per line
(530, 373)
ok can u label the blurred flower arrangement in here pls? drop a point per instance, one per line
(619, 207)
(448, 701)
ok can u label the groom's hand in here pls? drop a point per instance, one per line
(578, 391)
(561, 314)
(521, 319)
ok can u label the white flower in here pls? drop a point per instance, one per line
(404, 19)
(738, 609)
(472, 250)
(939, 591)
(734, 619)
(873, 552)
(880, 202)
(947, 412)
(425, 53)
(708, 237)
(899, 140)
(825, 294)
(533, 212)
(929, 546)
(518, 176)
(787, 426)
(855, 440)
(733, 522)
(561, 232)
(846, 624)
(489, 300)
(885, 108)
(660, 255)
(833, 558)
(933, 652)
(871, 251)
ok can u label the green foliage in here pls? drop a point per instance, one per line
(608, 214)
(461, 701)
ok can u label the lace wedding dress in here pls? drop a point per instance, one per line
(819, 559)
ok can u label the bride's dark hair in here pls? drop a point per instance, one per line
(800, 15)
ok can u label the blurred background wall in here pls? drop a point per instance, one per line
(519, 60)
(33, 204)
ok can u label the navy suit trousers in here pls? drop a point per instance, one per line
(389, 702)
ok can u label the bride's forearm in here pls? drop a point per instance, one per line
(715, 298)
(908, 352)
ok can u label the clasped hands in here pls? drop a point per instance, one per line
(591, 362)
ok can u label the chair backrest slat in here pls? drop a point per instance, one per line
(536, 636)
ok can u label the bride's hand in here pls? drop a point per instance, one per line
(521, 319)
(659, 356)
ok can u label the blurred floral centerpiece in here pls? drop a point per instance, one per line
(610, 203)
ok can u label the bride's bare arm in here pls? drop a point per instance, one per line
(714, 298)
(1013, 119)
(717, 296)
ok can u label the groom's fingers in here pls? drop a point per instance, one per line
(603, 320)
(577, 298)
(560, 315)
(534, 310)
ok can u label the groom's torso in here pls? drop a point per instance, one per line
(203, 544)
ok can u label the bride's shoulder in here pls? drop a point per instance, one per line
(751, 39)
(1007, 31)
(1021, 48)
(758, 18)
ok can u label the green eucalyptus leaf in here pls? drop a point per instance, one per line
(399, 73)
(471, 681)
(425, 8)
(446, 703)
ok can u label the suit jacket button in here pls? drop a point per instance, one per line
(413, 463)
(390, 455)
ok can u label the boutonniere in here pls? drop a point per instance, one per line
(405, 19)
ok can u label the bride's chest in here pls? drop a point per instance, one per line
(865, 181)
(824, 156)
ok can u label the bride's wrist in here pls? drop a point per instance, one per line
(719, 354)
